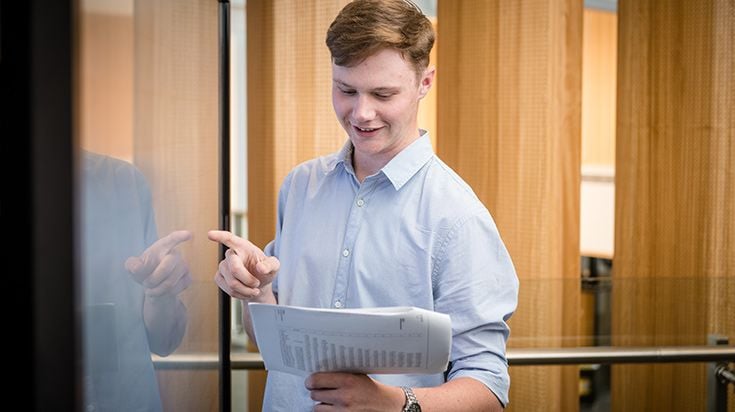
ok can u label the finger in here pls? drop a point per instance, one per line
(324, 407)
(236, 290)
(135, 266)
(228, 239)
(326, 397)
(171, 277)
(165, 269)
(171, 286)
(233, 268)
(267, 268)
(182, 284)
(142, 266)
(250, 253)
(323, 380)
(167, 243)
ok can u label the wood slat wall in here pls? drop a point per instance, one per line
(176, 147)
(509, 108)
(674, 265)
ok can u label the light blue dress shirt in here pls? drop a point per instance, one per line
(413, 234)
(117, 222)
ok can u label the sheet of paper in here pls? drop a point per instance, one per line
(403, 340)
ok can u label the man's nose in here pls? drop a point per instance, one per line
(364, 109)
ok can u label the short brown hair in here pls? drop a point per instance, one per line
(365, 26)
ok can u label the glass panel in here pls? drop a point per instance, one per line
(238, 184)
(626, 311)
(629, 311)
(148, 179)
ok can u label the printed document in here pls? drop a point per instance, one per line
(403, 340)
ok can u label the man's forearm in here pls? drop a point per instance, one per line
(165, 323)
(461, 394)
(266, 296)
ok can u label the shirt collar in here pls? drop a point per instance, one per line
(406, 163)
(399, 170)
(329, 163)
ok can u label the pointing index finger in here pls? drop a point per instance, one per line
(169, 242)
(142, 266)
(226, 238)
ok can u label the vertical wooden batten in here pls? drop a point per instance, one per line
(674, 265)
(176, 146)
(509, 122)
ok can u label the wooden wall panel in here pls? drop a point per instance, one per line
(674, 266)
(106, 83)
(509, 122)
(176, 147)
(599, 72)
(426, 117)
(290, 115)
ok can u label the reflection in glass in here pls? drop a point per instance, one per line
(131, 281)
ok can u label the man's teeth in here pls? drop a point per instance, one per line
(364, 129)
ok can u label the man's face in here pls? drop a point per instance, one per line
(376, 102)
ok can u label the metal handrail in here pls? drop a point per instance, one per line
(516, 357)
(618, 354)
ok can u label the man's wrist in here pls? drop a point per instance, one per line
(411, 403)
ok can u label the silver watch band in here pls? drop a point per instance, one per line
(412, 404)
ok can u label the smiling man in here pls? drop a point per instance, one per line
(383, 222)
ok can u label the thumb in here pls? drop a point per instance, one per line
(134, 264)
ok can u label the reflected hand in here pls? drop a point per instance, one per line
(245, 270)
(161, 269)
(352, 391)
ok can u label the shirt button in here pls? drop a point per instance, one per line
(346, 252)
(338, 304)
(360, 202)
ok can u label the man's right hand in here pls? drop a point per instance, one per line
(245, 271)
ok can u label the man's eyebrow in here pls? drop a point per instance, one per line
(386, 89)
(341, 83)
(383, 89)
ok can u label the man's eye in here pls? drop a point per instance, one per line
(348, 92)
(383, 96)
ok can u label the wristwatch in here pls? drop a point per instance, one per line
(412, 404)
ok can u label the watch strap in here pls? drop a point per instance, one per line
(412, 404)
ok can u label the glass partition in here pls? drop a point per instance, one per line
(618, 311)
(148, 184)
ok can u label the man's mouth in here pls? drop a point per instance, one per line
(366, 129)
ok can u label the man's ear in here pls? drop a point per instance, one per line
(426, 81)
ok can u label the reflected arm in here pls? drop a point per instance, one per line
(165, 323)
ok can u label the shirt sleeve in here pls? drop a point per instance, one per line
(272, 248)
(476, 284)
(146, 207)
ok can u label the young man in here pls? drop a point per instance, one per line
(384, 222)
